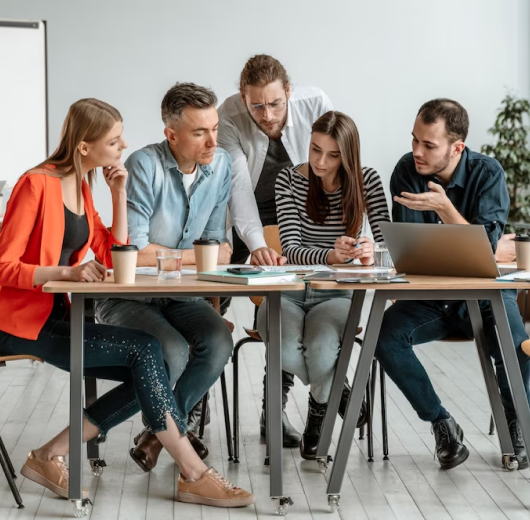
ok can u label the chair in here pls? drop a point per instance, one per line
(272, 238)
(5, 461)
(217, 306)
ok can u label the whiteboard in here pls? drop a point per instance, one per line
(23, 98)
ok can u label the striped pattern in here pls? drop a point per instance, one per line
(303, 241)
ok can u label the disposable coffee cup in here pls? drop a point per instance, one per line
(522, 252)
(206, 254)
(124, 260)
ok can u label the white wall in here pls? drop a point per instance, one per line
(378, 61)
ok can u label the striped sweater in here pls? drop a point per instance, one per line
(305, 242)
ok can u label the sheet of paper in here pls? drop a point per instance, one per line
(152, 271)
(294, 268)
(507, 266)
(363, 270)
(517, 275)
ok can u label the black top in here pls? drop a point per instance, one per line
(477, 190)
(75, 235)
(276, 160)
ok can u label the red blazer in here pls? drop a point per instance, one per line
(31, 236)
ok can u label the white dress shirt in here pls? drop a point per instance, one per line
(247, 144)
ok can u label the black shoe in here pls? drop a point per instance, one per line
(313, 427)
(194, 417)
(291, 437)
(518, 444)
(363, 413)
(450, 448)
(287, 384)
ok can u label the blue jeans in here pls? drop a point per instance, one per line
(119, 354)
(408, 323)
(313, 323)
(196, 343)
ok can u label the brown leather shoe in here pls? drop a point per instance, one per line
(212, 489)
(148, 449)
(198, 446)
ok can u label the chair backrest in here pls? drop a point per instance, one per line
(3, 359)
(272, 238)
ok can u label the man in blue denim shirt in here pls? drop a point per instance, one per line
(444, 182)
(177, 192)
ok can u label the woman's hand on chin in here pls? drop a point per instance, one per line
(116, 177)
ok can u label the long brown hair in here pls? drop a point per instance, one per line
(87, 120)
(341, 128)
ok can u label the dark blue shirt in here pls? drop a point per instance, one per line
(477, 190)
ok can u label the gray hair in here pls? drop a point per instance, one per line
(183, 95)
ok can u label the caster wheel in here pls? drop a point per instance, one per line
(281, 505)
(82, 508)
(34, 364)
(323, 463)
(510, 462)
(334, 502)
(97, 467)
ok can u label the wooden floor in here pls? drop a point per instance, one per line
(34, 406)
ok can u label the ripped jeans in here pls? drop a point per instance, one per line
(120, 354)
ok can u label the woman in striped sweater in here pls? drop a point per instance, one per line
(321, 207)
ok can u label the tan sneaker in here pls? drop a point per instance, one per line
(212, 489)
(52, 474)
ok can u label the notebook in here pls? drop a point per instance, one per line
(247, 279)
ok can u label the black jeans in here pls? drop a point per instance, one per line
(115, 353)
(408, 323)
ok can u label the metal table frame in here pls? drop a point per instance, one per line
(471, 297)
(274, 385)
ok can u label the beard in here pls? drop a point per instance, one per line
(440, 166)
(274, 134)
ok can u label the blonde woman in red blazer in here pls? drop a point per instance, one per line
(49, 225)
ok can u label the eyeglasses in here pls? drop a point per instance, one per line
(274, 107)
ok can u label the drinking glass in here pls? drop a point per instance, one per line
(382, 256)
(169, 263)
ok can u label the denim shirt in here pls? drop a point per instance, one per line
(158, 208)
(477, 190)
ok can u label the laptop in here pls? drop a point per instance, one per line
(440, 249)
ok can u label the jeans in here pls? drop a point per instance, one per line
(408, 323)
(313, 323)
(196, 343)
(119, 354)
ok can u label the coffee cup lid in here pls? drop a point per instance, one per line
(206, 242)
(522, 238)
(126, 247)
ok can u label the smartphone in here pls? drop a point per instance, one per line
(244, 270)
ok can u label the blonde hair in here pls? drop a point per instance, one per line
(87, 120)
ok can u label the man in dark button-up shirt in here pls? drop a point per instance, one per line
(444, 182)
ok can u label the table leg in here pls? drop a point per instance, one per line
(511, 365)
(339, 377)
(362, 373)
(274, 402)
(77, 322)
(492, 387)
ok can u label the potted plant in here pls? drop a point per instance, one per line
(513, 152)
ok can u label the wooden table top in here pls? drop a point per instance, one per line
(424, 283)
(150, 284)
